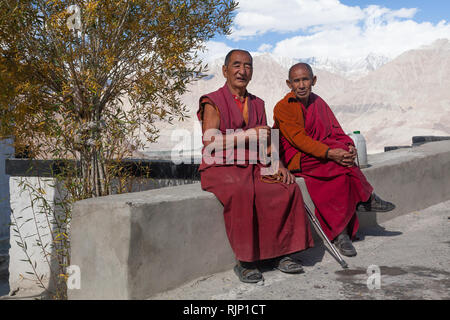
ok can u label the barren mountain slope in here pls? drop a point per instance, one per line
(407, 96)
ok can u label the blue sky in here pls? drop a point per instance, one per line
(429, 10)
(344, 29)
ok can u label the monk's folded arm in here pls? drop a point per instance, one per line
(211, 121)
(294, 131)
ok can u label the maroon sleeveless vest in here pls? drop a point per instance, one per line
(231, 117)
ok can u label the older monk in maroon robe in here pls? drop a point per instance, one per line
(264, 215)
(314, 146)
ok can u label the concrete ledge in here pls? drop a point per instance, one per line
(413, 179)
(134, 245)
(131, 246)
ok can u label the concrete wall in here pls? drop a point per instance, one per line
(15, 206)
(34, 225)
(29, 220)
(6, 151)
(134, 245)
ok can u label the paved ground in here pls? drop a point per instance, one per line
(411, 251)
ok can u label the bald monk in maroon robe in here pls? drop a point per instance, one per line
(264, 215)
(314, 146)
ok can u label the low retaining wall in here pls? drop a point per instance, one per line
(31, 225)
(23, 226)
(6, 151)
(134, 245)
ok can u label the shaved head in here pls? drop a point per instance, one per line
(301, 80)
(301, 65)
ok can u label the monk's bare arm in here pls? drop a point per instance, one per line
(211, 120)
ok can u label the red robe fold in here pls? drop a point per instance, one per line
(262, 220)
(334, 189)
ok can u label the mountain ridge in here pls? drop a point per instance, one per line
(406, 96)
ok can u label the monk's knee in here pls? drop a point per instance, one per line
(243, 189)
(286, 190)
(293, 188)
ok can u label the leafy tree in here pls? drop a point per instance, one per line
(81, 79)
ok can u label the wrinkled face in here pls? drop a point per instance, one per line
(301, 82)
(239, 70)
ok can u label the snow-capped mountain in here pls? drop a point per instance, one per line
(349, 68)
(395, 100)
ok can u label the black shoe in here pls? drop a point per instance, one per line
(344, 245)
(289, 265)
(247, 272)
(375, 204)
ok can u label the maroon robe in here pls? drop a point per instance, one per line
(262, 220)
(334, 189)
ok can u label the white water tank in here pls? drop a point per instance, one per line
(360, 144)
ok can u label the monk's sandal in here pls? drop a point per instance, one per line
(375, 204)
(289, 265)
(248, 273)
(344, 245)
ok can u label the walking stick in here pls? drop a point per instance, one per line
(319, 230)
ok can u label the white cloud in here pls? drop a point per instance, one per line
(382, 31)
(328, 28)
(256, 17)
(214, 50)
(265, 47)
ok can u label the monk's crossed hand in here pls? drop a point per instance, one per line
(353, 151)
(342, 157)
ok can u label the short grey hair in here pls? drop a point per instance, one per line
(228, 56)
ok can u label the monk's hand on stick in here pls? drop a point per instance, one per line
(285, 176)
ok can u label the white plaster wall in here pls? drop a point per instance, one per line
(31, 221)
